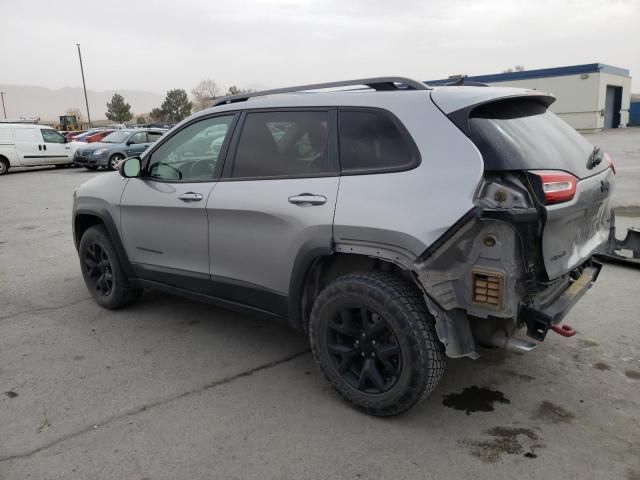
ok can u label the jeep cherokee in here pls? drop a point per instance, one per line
(396, 224)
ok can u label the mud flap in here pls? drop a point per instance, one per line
(611, 251)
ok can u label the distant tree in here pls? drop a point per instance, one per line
(233, 90)
(203, 93)
(157, 115)
(176, 105)
(140, 119)
(517, 68)
(118, 110)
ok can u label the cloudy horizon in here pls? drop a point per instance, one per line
(154, 47)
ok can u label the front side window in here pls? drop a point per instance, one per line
(140, 137)
(371, 141)
(283, 144)
(192, 153)
(51, 136)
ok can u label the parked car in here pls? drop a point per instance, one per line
(29, 145)
(397, 226)
(97, 136)
(83, 136)
(115, 147)
(71, 135)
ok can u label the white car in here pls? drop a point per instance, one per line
(29, 145)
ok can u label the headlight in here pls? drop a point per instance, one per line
(99, 151)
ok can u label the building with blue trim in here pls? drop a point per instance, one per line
(592, 96)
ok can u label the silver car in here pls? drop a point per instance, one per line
(397, 225)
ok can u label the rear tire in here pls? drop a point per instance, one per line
(4, 166)
(375, 341)
(102, 271)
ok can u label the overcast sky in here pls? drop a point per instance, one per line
(158, 45)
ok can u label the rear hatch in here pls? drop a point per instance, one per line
(569, 179)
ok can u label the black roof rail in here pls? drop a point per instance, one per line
(377, 83)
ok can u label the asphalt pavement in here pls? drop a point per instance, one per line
(174, 389)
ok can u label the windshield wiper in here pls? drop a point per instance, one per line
(594, 158)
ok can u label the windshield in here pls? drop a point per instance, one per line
(524, 135)
(116, 137)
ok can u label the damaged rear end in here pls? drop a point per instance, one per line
(523, 256)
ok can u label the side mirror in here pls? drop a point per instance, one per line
(130, 168)
(129, 143)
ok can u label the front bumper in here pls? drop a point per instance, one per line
(90, 160)
(539, 317)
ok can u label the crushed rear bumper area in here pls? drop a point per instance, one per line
(542, 315)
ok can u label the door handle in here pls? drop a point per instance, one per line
(40, 147)
(44, 147)
(307, 199)
(190, 197)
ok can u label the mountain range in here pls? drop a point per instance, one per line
(23, 101)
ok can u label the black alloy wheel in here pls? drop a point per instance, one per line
(99, 270)
(364, 350)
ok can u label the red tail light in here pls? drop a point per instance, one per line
(609, 160)
(557, 187)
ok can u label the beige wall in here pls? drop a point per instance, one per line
(579, 101)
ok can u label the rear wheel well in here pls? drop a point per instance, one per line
(326, 269)
(82, 223)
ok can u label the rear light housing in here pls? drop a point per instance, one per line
(556, 186)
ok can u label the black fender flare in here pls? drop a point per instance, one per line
(105, 217)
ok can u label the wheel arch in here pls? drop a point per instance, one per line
(318, 267)
(83, 219)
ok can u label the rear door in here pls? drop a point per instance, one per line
(29, 144)
(571, 180)
(164, 222)
(276, 201)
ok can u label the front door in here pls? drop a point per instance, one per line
(56, 150)
(163, 217)
(276, 201)
(136, 144)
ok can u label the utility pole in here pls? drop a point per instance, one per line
(3, 109)
(84, 86)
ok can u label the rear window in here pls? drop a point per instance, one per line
(371, 141)
(524, 135)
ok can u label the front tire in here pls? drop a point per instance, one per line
(102, 271)
(375, 341)
(115, 160)
(4, 166)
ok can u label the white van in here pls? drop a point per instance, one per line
(28, 145)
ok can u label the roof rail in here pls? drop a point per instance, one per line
(377, 83)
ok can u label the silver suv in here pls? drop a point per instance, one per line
(396, 224)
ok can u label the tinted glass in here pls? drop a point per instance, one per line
(192, 153)
(153, 136)
(524, 135)
(373, 141)
(51, 136)
(281, 144)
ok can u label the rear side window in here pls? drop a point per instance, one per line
(372, 141)
(283, 144)
(524, 135)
